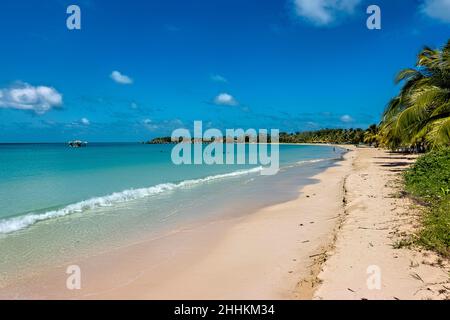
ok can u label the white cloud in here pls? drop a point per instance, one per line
(437, 9)
(218, 78)
(346, 118)
(121, 78)
(85, 121)
(150, 125)
(324, 12)
(24, 96)
(162, 125)
(225, 99)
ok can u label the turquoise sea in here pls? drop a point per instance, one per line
(58, 202)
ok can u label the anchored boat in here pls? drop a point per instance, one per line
(77, 144)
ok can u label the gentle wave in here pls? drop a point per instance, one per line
(17, 223)
(312, 161)
(303, 162)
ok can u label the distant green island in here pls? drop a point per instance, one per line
(334, 136)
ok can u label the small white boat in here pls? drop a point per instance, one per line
(77, 144)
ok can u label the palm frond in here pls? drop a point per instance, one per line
(419, 114)
(439, 135)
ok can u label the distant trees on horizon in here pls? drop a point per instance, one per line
(338, 136)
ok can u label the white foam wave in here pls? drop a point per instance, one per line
(311, 161)
(9, 225)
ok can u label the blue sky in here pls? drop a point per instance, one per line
(139, 69)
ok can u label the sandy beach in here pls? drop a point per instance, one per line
(376, 217)
(190, 154)
(318, 246)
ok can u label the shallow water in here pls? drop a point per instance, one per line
(59, 203)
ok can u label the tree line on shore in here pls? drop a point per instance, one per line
(417, 119)
(338, 136)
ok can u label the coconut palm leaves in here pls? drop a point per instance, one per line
(371, 135)
(420, 114)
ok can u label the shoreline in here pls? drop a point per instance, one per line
(198, 248)
(256, 256)
(343, 222)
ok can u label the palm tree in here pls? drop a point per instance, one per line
(420, 114)
(371, 135)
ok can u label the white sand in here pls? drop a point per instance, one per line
(376, 218)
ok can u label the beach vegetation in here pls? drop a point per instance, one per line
(336, 136)
(371, 135)
(428, 180)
